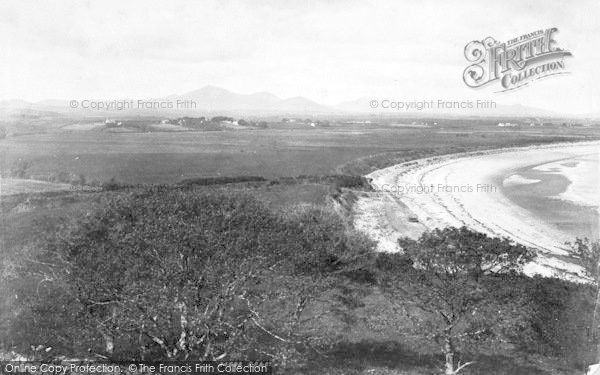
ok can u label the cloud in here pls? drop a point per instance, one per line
(327, 50)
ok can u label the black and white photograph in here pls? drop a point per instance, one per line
(327, 187)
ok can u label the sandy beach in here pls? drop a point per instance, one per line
(465, 189)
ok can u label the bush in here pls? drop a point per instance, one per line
(351, 182)
(205, 181)
(166, 273)
(112, 184)
(20, 169)
(558, 320)
(221, 118)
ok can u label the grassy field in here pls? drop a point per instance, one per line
(160, 157)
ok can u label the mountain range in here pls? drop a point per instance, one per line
(211, 100)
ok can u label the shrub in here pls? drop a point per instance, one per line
(20, 169)
(167, 273)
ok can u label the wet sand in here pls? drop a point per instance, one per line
(463, 189)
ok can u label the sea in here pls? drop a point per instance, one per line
(563, 193)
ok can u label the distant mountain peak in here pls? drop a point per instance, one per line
(210, 90)
(218, 99)
(211, 98)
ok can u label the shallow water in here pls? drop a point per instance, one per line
(564, 194)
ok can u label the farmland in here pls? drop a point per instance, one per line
(167, 157)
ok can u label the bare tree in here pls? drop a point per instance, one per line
(448, 274)
(589, 253)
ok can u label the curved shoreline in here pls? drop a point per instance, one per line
(393, 211)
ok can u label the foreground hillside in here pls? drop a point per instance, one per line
(254, 278)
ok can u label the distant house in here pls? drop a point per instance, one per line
(112, 123)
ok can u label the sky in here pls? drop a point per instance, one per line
(329, 51)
